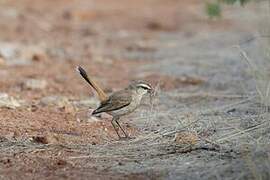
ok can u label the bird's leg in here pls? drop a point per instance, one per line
(116, 120)
(113, 119)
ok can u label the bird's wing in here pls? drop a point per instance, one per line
(116, 101)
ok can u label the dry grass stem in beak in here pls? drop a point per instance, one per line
(153, 93)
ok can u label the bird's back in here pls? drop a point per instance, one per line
(116, 101)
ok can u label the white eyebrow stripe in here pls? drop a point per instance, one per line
(145, 85)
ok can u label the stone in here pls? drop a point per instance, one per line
(60, 102)
(8, 50)
(20, 54)
(8, 101)
(34, 53)
(54, 100)
(93, 119)
(47, 139)
(34, 84)
(186, 138)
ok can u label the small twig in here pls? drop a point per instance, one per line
(253, 68)
(206, 95)
(152, 105)
(253, 38)
(241, 132)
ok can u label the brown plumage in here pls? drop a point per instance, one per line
(121, 102)
(116, 101)
(101, 94)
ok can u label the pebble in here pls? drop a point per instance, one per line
(8, 101)
(19, 54)
(60, 102)
(54, 100)
(34, 84)
(188, 138)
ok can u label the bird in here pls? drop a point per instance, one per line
(119, 103)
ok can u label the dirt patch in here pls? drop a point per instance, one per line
(167, 83)
(201, 125)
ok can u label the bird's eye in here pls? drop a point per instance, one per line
(144, 87)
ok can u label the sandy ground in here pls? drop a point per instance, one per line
(206, 121)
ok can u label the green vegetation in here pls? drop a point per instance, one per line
(213, 9)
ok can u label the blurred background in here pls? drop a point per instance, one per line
(208, 61)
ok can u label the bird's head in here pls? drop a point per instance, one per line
(141, 87)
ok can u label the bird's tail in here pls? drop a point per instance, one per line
(101, 94)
